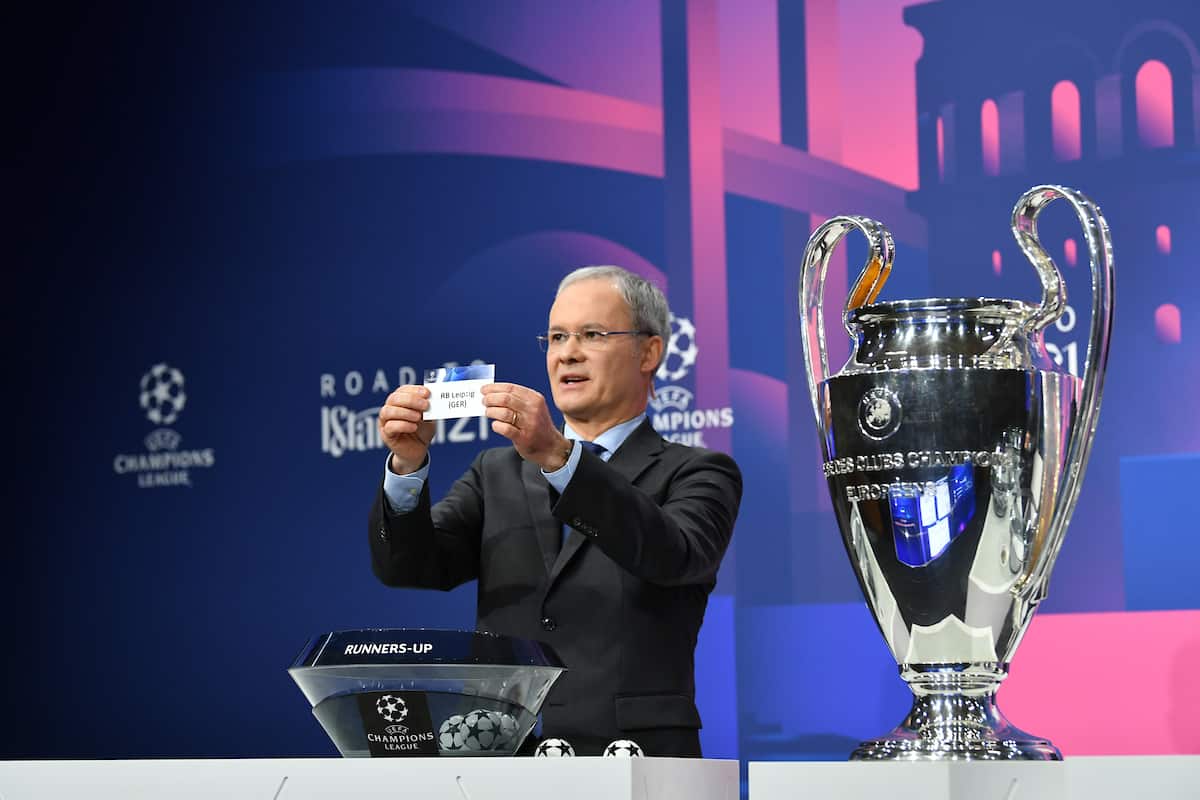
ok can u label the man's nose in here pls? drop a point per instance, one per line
(571, 349)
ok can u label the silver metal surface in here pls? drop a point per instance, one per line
(954, 453)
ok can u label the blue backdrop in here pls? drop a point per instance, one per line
(295, 207)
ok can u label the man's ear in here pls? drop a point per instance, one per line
(651, 354)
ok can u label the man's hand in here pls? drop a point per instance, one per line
(403, 430)
(521, 415)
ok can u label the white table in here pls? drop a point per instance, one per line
(1079, 778)
(392, 778)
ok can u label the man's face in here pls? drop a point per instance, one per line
(606, 383)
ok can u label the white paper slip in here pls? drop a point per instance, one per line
(454, 391)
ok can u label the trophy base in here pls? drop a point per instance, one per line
(954, 718)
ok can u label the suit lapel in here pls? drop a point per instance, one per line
(542, 497)
(638, 452)
(633, 457)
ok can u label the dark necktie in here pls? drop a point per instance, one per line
(599, 450)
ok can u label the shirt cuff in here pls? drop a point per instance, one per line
(403, 492)
(562, 476)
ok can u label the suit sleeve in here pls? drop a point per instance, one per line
(680, 542)
(430, 547)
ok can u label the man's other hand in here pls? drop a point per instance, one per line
(403, 430)
(521, 415)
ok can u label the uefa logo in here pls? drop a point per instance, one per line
(879, 413)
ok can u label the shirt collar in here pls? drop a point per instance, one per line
(612, 438)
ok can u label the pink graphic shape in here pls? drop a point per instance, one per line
(824, 73)
(1065, 122)
(1107, 684)
(611, 48)
(1155, 106)
(566, 250)
(877, 56)
(941, 149)
(989, 131)
(996, 262)
(1162, 239)
(1071, 252)
(1168, 323)
(427, 111)
(797, 180)
(706, 167)
(749, 57)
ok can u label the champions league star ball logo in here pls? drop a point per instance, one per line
(554, 748)
(391, 708)
(452, 734)
(681, 350)
(481, 730)
(162, 394)
(623, 748)
(163, 462)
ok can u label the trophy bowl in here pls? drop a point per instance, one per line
(954, 451)
(418, 692)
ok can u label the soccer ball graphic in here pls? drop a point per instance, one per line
(452, 733)
(162, 394)
(481, 730)
(623, 748)
(508, 730)
(554, 748)
(681, 350)
(391, 708)
(477, 731)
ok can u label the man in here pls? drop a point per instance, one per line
(608, 556)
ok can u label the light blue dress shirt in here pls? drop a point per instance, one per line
(403, 492)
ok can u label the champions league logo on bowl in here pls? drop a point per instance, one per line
(162, 399)
(392, 708)
(672, 413)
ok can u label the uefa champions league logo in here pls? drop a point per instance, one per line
(162, 395)
(391, 708)
(673, 416)
(164, 462)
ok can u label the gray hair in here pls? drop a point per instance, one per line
(646, 302)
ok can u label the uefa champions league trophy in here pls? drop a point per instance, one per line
(954, 452)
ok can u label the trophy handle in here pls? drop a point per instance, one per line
(1054, 298)
(881, 253)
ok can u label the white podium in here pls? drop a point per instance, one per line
(365, 778)
(1080, 778)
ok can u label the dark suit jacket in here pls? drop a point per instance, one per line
(623, 600)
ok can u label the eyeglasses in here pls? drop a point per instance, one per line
(588, 340)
